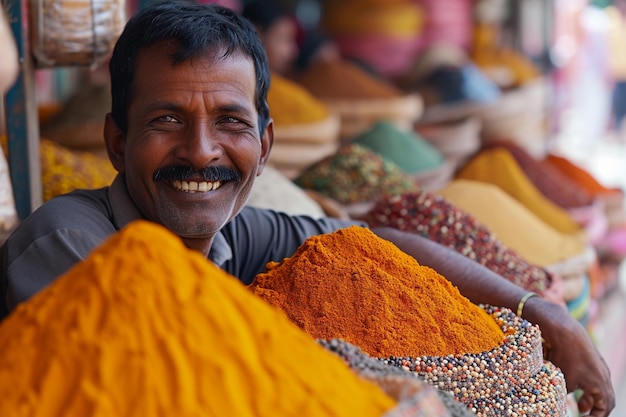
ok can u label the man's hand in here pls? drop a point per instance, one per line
(572, 349)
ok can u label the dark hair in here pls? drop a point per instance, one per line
(198, 29)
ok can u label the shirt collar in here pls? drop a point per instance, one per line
(125, 211)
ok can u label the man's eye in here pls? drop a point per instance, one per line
(232, 120)
(167, 119)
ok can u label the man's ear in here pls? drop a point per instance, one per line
(114, 140)
(267, 141)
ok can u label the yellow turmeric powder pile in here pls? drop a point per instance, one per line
(353, 285)
(497, 166)
(64, 169)
(291, 104)
(145, 327)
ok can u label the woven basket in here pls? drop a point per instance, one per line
(297, 147)
(292, 159)
(457, 139)
(436, 178)
(74, 32)
(360, 115)
(519, 116)
(320, 132)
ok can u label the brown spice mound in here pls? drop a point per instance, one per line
(344, 80)
(353, 285)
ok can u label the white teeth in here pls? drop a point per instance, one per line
(194, 186)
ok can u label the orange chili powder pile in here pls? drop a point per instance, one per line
(353, 285)
(146, 327)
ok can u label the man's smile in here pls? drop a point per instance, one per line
(195, 186)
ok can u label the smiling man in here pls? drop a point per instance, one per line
(189, 131)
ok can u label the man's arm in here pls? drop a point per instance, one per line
(571, 348)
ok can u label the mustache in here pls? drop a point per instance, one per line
(183, 173)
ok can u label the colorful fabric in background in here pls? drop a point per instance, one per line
(446, 22)
(498, 167)
(432, 216)
(578, 306)
(513, 223)
(551, 182)
(355, 174)
(407, 150)
(383, 35)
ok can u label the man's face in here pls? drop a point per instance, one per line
(198, 115)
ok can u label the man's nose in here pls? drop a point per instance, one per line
(200, 146)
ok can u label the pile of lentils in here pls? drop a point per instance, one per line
(511, 379)
(373, 368)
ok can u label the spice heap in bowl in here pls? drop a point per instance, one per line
(410, 316)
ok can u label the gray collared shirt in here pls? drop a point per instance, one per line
(64, 230)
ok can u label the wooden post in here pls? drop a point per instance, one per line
(22, 123)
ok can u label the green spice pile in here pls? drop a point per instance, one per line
(356, 174)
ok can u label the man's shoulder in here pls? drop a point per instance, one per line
(72, 210)
(77, 201)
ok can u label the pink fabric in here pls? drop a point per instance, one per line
(615, 241)
(593, 219)
(448, 22)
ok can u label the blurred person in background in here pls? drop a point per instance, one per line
(617, 65)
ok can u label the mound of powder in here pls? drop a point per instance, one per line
(353, 285)
(145, 327)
